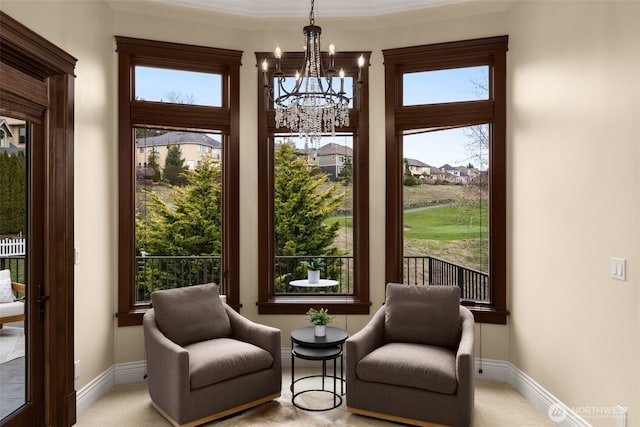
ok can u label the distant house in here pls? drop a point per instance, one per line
(417, 168)
(194, 146)
(331, 158)
(13, 136)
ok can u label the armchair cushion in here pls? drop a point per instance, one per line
(191, 314)
(214, 361)
(403, 364)
(423, 315)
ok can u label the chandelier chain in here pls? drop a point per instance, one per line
(312, 19)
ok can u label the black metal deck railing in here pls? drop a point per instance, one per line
(337, 267)
(166, 272)
(423, 270)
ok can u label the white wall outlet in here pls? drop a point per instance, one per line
(76, 256)
(619, 268)
(76, 369)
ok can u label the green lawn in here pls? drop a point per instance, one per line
(446, 223)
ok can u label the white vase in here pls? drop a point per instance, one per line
(320, 330)
(313, 276)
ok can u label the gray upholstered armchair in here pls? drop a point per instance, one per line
(204, 360)
(414, 362)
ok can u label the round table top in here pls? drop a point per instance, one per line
(323, 283)
(306, 337)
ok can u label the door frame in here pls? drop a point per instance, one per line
(37, 85)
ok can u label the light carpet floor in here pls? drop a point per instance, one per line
(11, 343)
(496, 405)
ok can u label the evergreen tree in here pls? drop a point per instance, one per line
(12, 193)
(409, 179)
(192, 226)
(346, 173)
(301, 206)
(153, 164)
(174, 167)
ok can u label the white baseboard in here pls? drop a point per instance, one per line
(495, 370)
(92, 392)
(540, 398)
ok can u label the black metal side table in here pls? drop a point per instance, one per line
(305, 345)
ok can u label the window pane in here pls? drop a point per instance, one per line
(178, 210)
(313, 214)
(446, 209)
(178, 86)
(452, 85)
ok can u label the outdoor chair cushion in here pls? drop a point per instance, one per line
(220, 359)
(191, 314)
(432, 312)
(10, 309)
(6, 291)
(403, 364)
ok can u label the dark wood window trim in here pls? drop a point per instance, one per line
(37, 85)
(487, 51)
(268, 302)
(132, 113)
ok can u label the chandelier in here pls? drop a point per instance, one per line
(315, 105)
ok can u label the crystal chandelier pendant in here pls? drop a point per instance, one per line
(313, 107)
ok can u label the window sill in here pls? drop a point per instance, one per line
(300, 305)
(488, 314)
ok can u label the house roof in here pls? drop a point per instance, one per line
(333, 148)
(416, 162)
(177, 138)
(5, 125)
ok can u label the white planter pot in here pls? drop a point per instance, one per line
(320, 330)
(313, 276)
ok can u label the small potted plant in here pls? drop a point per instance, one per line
(313, 269)
(319, 319)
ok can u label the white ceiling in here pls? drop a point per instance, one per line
(322, 8)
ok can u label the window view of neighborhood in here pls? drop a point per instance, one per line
(313, 213)
(178, 209)
(445, 202)
(445, 195)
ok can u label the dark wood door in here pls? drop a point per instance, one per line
(36, 86)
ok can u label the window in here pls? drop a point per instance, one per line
(174, 96)
(282, 155)
(446, 170)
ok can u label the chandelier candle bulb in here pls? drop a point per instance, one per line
(265, 67)
(341, 81)
(360, 66)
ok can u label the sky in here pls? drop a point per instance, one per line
(433, 148)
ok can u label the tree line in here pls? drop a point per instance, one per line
(13, 193)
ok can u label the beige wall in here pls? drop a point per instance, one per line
(573, 103)
(574, 109)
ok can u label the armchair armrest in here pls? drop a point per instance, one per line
(465, 358)
(19, 288)
(263, 336)
(167, 364)
(364, 342)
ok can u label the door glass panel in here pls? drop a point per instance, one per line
(13, 265)
(446, 209)
(451, 85)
